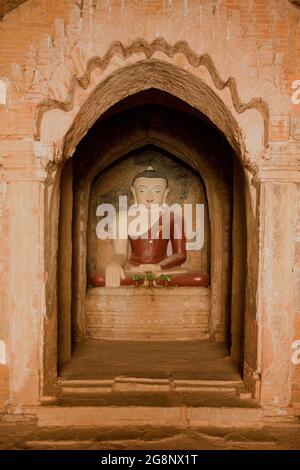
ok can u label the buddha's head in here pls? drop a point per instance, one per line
(150, 187)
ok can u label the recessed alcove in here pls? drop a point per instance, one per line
(82, 93)
(159, 313)
(186, 187)
(153, 128)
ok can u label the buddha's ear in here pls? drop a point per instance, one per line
(134, 195)
(167, 191)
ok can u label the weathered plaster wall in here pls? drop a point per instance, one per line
(53, 56)
(296, 289)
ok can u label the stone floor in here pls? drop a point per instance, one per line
(98, 359)
(104, 359)
(28, 436)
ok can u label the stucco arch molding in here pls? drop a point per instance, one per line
(123, 71)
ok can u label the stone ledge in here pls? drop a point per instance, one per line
(278, 175)
(149, 291)
(152, 415)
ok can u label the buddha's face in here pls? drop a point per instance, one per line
(150, 191)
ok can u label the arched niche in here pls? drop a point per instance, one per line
(185, 186)
(196, 144)
(190, 140)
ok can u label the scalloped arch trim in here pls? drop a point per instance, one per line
(148, 49)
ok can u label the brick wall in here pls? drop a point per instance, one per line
(38, 40)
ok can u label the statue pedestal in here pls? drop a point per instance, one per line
(145, 313)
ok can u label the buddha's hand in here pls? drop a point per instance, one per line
(113, 274)
(153, 268)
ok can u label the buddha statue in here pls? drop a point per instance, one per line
(150, 254)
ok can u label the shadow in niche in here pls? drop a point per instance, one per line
(127, 128)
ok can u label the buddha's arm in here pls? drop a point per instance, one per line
(174, 260)
(120, 252)
(179, 251)
(114, 272)
(120, 245)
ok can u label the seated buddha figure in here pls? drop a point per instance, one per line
(150, 253)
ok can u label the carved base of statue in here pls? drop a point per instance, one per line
(148, 314)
